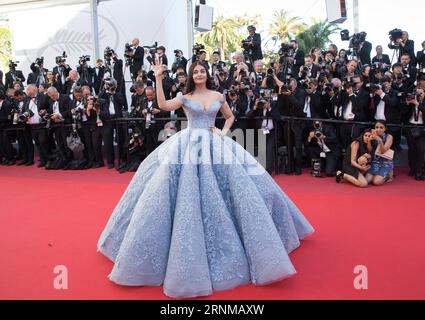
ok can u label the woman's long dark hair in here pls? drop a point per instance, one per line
(362, 145)
(190, 85)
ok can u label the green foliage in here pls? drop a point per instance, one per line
(317, 35)
(5, 48)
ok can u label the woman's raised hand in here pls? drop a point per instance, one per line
(158, 67)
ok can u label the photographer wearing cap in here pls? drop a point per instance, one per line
(253, 44)
(179, 62)
(13, 75)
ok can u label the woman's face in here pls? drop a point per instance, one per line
(366, 137)
(199, 75)
(49, 75)
(380, 129)
(342, 54)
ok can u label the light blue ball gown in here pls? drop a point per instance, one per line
(202, 215)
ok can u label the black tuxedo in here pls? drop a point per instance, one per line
(257, 53)
(98, 74)
(408, 48)
(416, 145)
(106, 131)
(298, 56)
(61, 73)
(68, 87)
(270, 138)
(86, 75)
(420, 58)
(317, 108)
(392, 107)
(384, 59)
(37, 132)
(6, 150)
(313, 71)
(12, 77)
(138, 58)
(364, 53)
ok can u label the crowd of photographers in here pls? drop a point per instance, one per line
(327, 98)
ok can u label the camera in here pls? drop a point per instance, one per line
(13, 65)
(375, 87)
(61, 59)
(110, 84)
(285, 49)
(395, 35)
(108, 54)
(128, 54)
(356, 40)
(39, 61)
(197, 48)
(317, 125)
(23, 117)
(83, 59)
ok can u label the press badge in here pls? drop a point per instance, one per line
(323, 155)
(266, 131)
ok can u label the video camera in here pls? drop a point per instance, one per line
(39, 62)
(395, 35)
(61, 59)
(108, 53)
(13, 65)
(197, 48)
(83, 59)
(285, 49)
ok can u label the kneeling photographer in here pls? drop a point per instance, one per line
(414, 115)
(323, 149)
(266, 107)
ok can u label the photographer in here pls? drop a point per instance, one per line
(365, 48)
(38, 74)
(253, 44)
(381, 58)
(308, 70)
(264, 108)
(179, 84)
(238, 108)
(112, 105)
(217, 65)
(291, 103)
(296, 59)
(180, 61)
(59, 109)
(414, 116)
(84, 121)
(150, 111)
(160, 54)
(136, 56)
(35, 105)
(355, 107)
(13, 75)
(322, 146)
(406, 47)
(420, 58)
(313, 104)
(98, 74)
(349, 70)
(6, 149)
(61, 71)
(85, 72)
(239, 60)
(51, 81)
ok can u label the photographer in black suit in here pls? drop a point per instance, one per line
(98, 74)
(407, 46)
(112, 105)
(253, 43)
(138, 55)
(322, 146)
(381, 58)
(6, 150)
(38, 74)
(297, 58)
(118, 75)
(61, 72)
(59, 108)
(85, 72)
(365, 50)
(13, 75)
(420, 58)
(35, 104)
(266, 108)
(308, 70)
(414, 116)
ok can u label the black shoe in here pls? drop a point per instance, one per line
(10, 163)
(419, 177)
(22, 163)
(88, 165)
(41, 164)
(28, 164)
(298, 172)
(339, 176)
(110, 165)
(98, 165)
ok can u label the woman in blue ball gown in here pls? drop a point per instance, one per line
(201, 214)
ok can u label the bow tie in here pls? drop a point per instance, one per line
(356, 92)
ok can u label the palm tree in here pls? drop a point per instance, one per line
(223, 36)
(5, 47)
(317, 35)
(284, 27)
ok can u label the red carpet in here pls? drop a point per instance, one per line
(55, 218)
